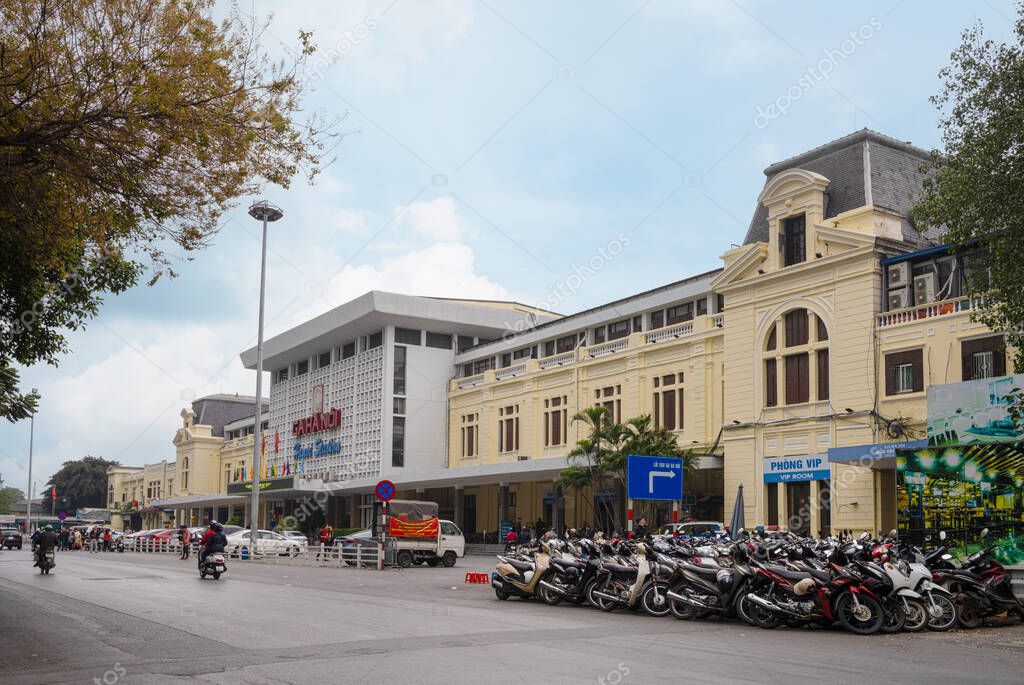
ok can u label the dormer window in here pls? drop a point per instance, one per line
(793, 240)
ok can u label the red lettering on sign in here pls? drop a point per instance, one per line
(317, 422)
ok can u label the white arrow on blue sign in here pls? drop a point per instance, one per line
(658, 478)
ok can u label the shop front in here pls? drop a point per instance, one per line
(292, 502)
(797, 493)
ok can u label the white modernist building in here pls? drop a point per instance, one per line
(360, 392)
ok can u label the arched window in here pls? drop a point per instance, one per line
(796, 356)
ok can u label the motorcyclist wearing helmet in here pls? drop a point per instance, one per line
(46, 541)
(213, 541)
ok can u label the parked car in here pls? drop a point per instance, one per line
(348, 544)
(269, 543)
(296, 535)
(692, 528)
(11, 538)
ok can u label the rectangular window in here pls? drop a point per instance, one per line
(555, 421)
(796, 328)
(599, 335)
(407, 336)
(638, 324)
(348, 350)
(302, 368)
(797, 379)
(398, 441)
(720, 302)
(679, 313)
(470, 435)
(682, 406)
(483, 365)
(668, 405)
(549, 348)
(508, 428)
(619, 329)
(983, 358)
(702, 306)
(657, 319)
(441, 341)
(793, 241)
(566, 344)
(525, 353)
(506, 360)
(323, 360)
(282, 374)
(771, 383)
(465, 342)
(904, 372)
(822, 356)
(398, 405)
(399, 385)
(375, 340)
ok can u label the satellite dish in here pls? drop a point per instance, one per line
(895, 429)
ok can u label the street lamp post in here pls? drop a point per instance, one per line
(267, 213)
(28, 497)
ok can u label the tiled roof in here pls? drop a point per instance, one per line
(862, 163)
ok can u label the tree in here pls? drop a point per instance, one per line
(8, 496)
(81, 483)
(976, 188)
(127, 129)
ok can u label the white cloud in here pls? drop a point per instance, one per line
(433, 219)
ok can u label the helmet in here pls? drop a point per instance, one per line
(216, 526)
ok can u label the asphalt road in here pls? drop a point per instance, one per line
(134, 618)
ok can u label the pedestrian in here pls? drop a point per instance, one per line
(641, 528)
(106, 540)
(186, 541)
(539, 528)
(94, 540)
(510, 539)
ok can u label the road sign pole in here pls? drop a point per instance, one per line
(675, 517)
(629, 519)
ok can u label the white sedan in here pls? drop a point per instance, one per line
(269, 543)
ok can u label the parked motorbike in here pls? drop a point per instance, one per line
(570, 579)
(632, 585)
(981, 588)
(700, 589)
(519, 576)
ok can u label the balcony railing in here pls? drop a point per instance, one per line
(560, 359)
(470, 381)
(662, 334)
(510, 371)
(929, 311)
(610, 347)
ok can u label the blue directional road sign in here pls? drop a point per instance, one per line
(659, 478)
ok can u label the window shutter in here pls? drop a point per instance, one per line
(999, 357)
(966, 362)
(917, 359)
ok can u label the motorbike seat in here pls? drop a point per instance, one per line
(620, 570)
(563, 564)
(701, 569)
(521, 565)
(789, 574)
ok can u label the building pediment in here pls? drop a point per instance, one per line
(741, 263)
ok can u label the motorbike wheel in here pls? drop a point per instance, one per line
(202, 574)
(866, 620)
(945, 620)
(917, 616)
(549, 596)
(216, 576)
(683, 611)
(655, 602)
(588, 593)
(759, 616)
(500, 594)
(600, 602)
(968, 617)
(895, 617)
(739, 605)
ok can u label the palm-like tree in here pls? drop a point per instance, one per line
(575, 478)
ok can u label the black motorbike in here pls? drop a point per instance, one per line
(570, 579)
(698, 590)
(981, 587)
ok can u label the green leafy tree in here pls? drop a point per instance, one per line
(127, 129)
(975, 192)
(81, 483)
(8, 496)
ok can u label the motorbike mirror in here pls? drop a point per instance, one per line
(984, 532)
(942, 535)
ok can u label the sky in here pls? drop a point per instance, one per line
(490, 149)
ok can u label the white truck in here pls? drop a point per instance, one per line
(413, 534)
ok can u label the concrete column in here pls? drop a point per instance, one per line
(460, 511)
(354, 515)
(502, 503)
(556, 512)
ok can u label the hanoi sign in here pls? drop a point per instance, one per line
(792, 469)
(659, 478)
(320, 421)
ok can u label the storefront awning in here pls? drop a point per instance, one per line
(878, 456)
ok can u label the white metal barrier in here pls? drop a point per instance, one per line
(338, 556)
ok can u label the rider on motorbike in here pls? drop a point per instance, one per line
(46, 541)
(213, 541)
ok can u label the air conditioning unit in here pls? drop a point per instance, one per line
(899, 274)
(900, 298)
(924, 288)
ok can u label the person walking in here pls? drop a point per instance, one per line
(106, 540)
(94, 540)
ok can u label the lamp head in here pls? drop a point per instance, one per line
(265, 211)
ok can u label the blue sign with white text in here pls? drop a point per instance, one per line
(659, 478)
(793, 469)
